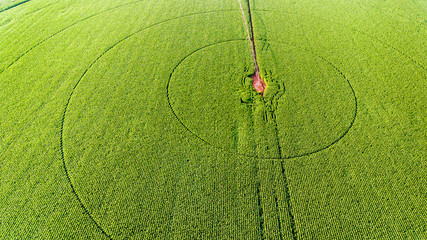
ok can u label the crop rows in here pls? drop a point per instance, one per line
(121, 120)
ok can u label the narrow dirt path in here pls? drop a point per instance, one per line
(286, 225)
(258, 84)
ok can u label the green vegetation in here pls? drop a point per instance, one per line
(9, 4)
(122, 119)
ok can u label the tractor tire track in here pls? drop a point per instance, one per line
(282, 172)
(174, 112)
(279, 221)
(260, 209)
(265, 47)
(288, 203)
(355, 107)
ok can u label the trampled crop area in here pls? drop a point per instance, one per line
(139, 119)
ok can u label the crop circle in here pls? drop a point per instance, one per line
(308, 106)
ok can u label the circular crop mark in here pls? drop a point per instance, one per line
(308, 104)
(110, 114)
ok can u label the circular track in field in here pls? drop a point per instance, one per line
(307, 107)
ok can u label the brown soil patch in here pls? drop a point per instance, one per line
(258, 83)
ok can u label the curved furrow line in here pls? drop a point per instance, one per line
(61, 143)
(265, 46)
(173, 110)
(394, 48)
(15, 5)
(356, 30)
(53, 35)
(355, 109)
(355, 106)
(258, 81)
(71, 95)
(288, 202)
(63, 29)
(251, 156)
(168, 83)
(41, 8)
(390, 13)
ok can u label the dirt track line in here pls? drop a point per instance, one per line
(248, 32)
(252, 156)
(257, 79)
(288, 202)
(285, 179)
(252, 37)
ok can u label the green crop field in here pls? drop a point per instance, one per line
(137, 119)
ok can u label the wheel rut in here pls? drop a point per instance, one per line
(259, 85)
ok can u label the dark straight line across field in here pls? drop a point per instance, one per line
(260, 210)
(108, 49)
(252, 156)
(15, 5)
(252, 36)
(256, 71)
(287, 193)
(288, 202)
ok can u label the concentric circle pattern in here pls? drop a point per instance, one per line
(305, 109)
(137, 119)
